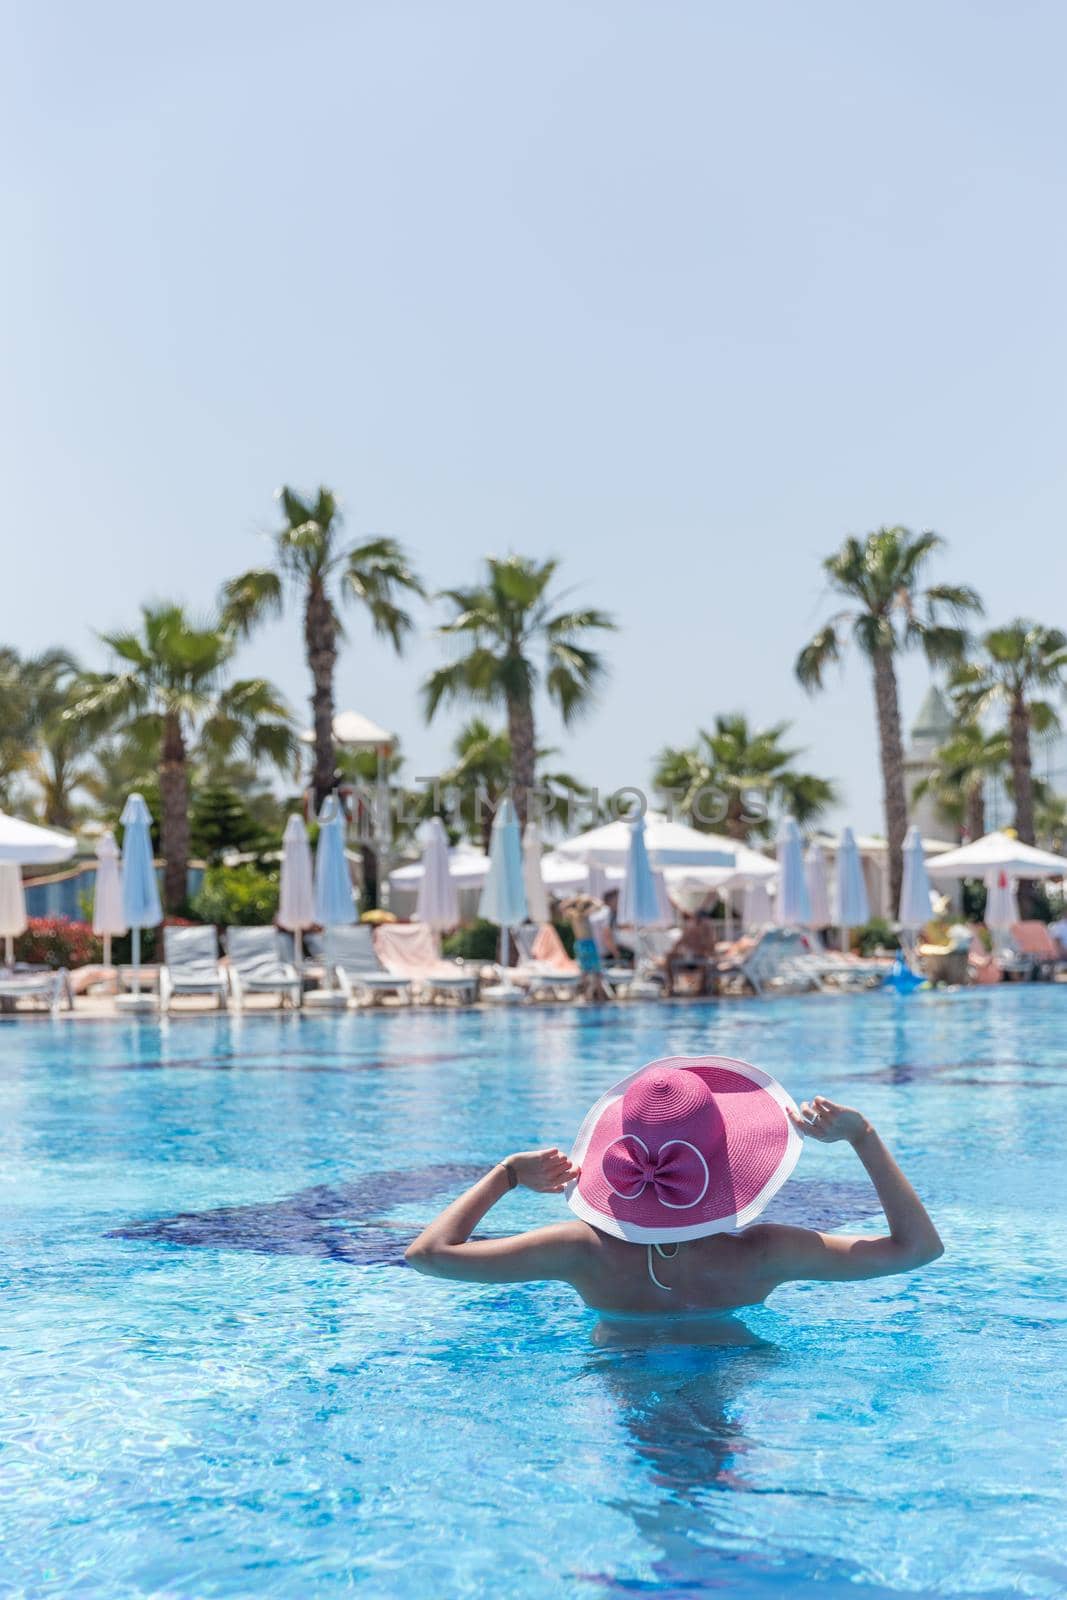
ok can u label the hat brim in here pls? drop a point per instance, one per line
(672, 1231)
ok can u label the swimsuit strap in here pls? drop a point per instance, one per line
(665, 1255)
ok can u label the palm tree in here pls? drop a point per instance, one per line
(60, 743)
(312, 560)
(734, 774)
(963, 766)
(508, 620)
(890, 613)
(14, 723)
(1015, 663)
(472, 788)
(169, 688)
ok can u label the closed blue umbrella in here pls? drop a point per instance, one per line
(915, 889)
(851, 905)
(639, 903)
(792, 907)
(335, 904)
(140, 888)
(503, 899)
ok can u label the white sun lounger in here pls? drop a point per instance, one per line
(411, 950)
(540, 977)
(191, 965)
(48, 986)
(257, 966)
(779, 961)
(352, 962)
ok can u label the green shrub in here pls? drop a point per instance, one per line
(236, 896)
(478, 942)
(876, 933)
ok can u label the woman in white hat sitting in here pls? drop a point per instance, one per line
(679, 1159)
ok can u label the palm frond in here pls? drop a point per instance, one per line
(816, 656)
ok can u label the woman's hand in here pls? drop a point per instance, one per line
(545, 1171)
(828, 1122)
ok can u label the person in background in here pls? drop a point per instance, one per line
(578, 911)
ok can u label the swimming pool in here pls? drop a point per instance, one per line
(216, 1380)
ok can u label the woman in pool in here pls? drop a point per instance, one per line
(668, 1173)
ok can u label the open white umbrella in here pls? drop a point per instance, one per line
(12, 907)
(756, 909)
(296, 890)
(640, 905)
(335, 904)
(998, 852)
(140, 889)
(30, 845)
(792, 908)
(437, 903)
(915, 889)
(109, 922)
(851, 904)
(532, 876)
(503, 898)
(818, 887)
(667, 844)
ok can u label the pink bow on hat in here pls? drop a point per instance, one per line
(677, 1173)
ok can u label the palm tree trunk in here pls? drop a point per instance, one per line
(320, 643)
(887, 703)
(975, 809)
(1022, 783)
(523, 754)
(174, 813)
(1022, 774)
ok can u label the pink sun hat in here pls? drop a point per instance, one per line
(684, 1147)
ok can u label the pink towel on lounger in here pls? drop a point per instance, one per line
(548, 947)
(411, 950)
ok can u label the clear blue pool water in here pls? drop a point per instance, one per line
(216, 1380)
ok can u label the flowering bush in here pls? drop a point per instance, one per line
(57, 942)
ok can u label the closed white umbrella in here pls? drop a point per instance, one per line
(851, 904)
(1002, 904)
(30, 845)
(663, 900)
(12, 907)
(437, 903)
(598, 881)
(296, 891)
(915, 889)
(792, 908)
(756, 909)
(532, 877)
(140, 888)
(335, 904)
(818, 887)
(639, 903)
(503, 898)
(109, 921)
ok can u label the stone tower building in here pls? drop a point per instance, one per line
(931, 728)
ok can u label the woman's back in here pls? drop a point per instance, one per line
(718, 1273)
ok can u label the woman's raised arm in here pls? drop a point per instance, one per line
(444, 1249)
(912, 1240)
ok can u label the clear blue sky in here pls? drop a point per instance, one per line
(680, 291)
